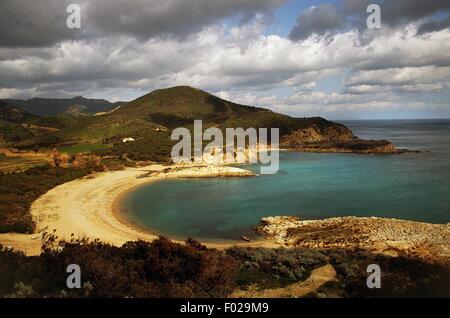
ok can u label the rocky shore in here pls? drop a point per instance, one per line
(204, 171)
(428, 242)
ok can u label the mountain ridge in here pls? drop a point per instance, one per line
(148, 120)
(57, 106)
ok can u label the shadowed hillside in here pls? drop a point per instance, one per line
(10, 113)
(11, 119)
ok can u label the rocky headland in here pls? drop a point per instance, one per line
(335, 138)
(424, 241)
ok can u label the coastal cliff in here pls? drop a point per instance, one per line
(335, 132)
(334, 138)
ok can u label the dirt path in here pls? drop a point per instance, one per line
(318, 277)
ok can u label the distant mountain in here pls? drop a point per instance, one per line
(53, 106)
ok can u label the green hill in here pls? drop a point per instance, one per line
(149, 120)
(185, 104)
(180, 105)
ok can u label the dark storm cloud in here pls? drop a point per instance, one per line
(328, 18)
(30, 23)
(319, 20)
(143, 18)
(434, 25)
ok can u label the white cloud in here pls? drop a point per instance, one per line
(244, 65)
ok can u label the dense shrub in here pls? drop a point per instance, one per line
(149, 145)
(137, 269)
(293, 264)
(401, 276)
(165, 269)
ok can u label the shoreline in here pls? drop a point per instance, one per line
(94, 197)
(91, 207)
(119, 214)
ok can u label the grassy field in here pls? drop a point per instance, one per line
(83, 148)
(10, 164)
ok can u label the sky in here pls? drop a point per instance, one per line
(301, 58)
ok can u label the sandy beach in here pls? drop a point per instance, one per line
(89, 206)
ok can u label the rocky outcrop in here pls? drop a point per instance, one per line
(88, 161)
(428, 242)
(334, 132)
(334, 138)
(59, 159)
(210, 171)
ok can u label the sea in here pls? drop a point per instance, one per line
(413, 186)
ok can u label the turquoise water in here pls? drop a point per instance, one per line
(411, 186)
